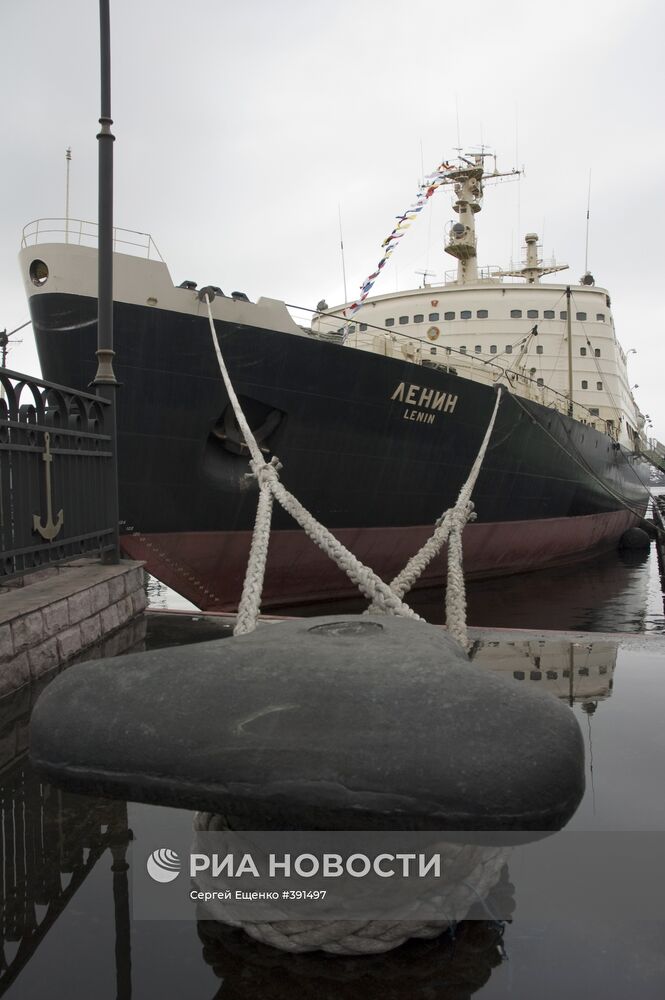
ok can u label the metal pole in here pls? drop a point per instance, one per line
(569, 325)
(68, 158)
(341, 246)
(105, 381)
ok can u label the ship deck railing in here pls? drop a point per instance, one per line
(492, 274)
(335, 328)
(79, 232)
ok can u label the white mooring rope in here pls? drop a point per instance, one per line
(352, 937)
(469, 873)
(384, 599)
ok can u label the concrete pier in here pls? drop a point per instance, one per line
(50, 617)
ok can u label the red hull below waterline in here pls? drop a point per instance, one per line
(208, 567)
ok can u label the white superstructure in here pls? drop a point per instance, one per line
(506, 326)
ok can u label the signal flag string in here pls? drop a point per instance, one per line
(431, 182)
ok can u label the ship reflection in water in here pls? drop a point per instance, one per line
(66, 856)
(617, 592)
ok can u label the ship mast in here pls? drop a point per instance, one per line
(569, 333)
(533, 268)
(468, 181)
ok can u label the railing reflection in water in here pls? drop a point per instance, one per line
(50, 841)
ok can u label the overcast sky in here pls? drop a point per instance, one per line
(242, 126)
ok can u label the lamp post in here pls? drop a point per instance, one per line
(105, 381)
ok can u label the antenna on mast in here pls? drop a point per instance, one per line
(426, 274)
(68, 160)
(586, 244)
(459, 144)
(341, 247)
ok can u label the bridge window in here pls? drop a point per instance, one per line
(482, 314)
(403, 320)
(548, 314)
(583, 351)
(597, 352)
(563, 314)
(539, 349)
(493, 349)
(600, 317)
(580, 316)
(515, 313)
(532, 313)
(509, 349)
(599, 386)
(540, 381)
(352, 327)
(478, 349)
(585, 384)
(362, 326)
(463, 350)
(390, 322)
(418, 318)
(448, 315)
(433, 317)
(594, 411)
(465, 314)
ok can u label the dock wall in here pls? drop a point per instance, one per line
(57, 616)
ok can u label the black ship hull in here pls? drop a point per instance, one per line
(377, 448)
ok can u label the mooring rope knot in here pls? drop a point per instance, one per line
(460, 513)
(264, 472)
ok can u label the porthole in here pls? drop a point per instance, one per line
(38, 273)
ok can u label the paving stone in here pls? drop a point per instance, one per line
(14, 674)
(27, 631)
(139, 601)
(72, 580)
(125, 609)
(117, 589)
(56, 617)
(91, 630)
(43, 658)
(6, 643)
(69, 642)
(135, 580)
(343, 722)
(99, 597)
(80, 606)
(109, 618)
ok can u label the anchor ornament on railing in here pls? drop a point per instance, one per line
(51, 528)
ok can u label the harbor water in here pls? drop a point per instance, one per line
(618, 592)
(67, 924)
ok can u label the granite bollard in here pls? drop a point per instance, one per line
(340, 722)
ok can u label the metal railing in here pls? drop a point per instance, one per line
(81, 233)
(419, 351)
(55, 469)
(486, 272)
